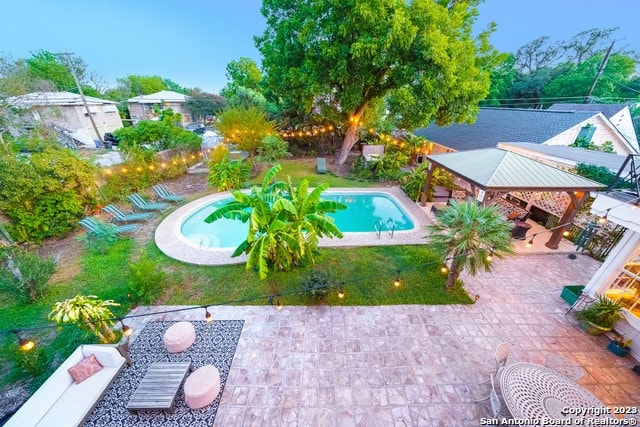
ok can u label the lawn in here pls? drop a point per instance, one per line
(365, 274)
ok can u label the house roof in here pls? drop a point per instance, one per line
(608, 110)
(158, 97)
(569, 155)
(493, 169)
(54, 98)
(494, 125)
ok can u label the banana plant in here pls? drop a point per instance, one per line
(88, 312)
(284, 222)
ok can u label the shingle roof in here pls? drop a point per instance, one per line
(54, 98)
(154, 98)
(493, 169)
(494, 125)
(574, 155)
(607, 109)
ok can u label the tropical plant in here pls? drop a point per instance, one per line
(317, 284)
(285, 223)
(87, 312)
(26, 274)
(603, 312)
(387, 167)
(228, 174)
(147, 279)
(469, 236)
(273, 148)
(621, 341)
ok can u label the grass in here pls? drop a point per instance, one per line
(300, 169)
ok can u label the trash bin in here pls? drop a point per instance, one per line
(520, 230)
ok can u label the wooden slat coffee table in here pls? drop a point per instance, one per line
(158, 388)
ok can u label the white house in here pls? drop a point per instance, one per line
(142, 107)
(544, 127)
(65, 112)
(619, 276)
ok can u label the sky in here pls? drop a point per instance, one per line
(192, 41)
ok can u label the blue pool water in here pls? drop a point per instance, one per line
(362, 213)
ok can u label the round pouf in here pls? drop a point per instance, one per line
(179, 337)
(202, 387)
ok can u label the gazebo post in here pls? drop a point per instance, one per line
(577, 198)
(427, 183)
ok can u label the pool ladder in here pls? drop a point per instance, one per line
(390, 224)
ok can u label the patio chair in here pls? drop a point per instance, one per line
(563, 366)
(95, 227)
(498, 408)
(321, 165)
(500, 357)
(139, 203)
(168, 196)
(119, 216)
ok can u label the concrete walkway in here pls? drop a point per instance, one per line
(409, 365)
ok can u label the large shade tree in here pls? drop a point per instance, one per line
(348, 54)
(469, 236)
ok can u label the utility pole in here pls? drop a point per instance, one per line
(84, 100)
(587, 99)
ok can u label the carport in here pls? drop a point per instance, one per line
(492, 173)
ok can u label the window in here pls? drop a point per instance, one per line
(626, 287)
(585, 134)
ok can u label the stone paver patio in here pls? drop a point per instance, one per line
(408, 365)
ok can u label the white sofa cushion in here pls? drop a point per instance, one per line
(50, 406)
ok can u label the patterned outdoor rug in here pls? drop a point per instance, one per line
(215, 344)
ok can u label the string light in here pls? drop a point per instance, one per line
(490, 256)
(530, 242)
(208, 317)
(396, 282)
(278, 304)
(566, 233)
(341, 293)
(25, 344)
(126, 330)
(444, 269)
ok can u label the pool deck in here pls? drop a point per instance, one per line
(172, 243)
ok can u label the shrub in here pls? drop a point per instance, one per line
(102, 241)
(46, 193)
(317, 285)
(228, 174)
(147, 280)
(413, 183)
(360, 170)
(387, 167)
(26, 274)
(34, 362)
(273, 148)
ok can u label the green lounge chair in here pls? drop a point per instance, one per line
(321, 165)
(98, 228)
(165, 194)
(139, 203)
(118, 216)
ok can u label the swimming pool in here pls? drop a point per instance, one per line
(366, 212)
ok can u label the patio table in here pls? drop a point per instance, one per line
(534, 391)
(159, 387)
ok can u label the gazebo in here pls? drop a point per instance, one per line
(493, 172)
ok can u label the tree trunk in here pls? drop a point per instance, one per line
(351, 137)
(454, 273)
(350, 140)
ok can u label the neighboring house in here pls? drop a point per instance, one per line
(618, 114)
(543, 127)
(566, 158)
(142, 107)
(66, 113)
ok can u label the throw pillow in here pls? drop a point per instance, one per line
(85, 369)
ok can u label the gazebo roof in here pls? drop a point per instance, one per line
(493, 169)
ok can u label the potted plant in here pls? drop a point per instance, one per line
(620, 346)
(600, 316)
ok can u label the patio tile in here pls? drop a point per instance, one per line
(410, 365)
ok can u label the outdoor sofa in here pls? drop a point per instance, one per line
(60, 401)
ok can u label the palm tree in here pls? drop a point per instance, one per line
(88, 312)
(285, 223)
(470, 236)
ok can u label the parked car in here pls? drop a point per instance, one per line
(110, 140)
(196, 128)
